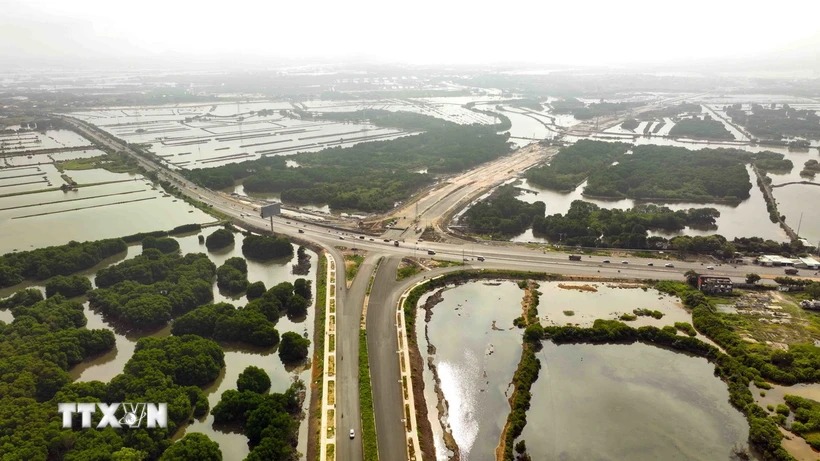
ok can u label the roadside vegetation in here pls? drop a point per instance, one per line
(630, 124)
(352, 264)
(573, 164)
(369, 436)
(407, 268)
(370, 176)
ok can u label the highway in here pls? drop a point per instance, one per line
(382, 341)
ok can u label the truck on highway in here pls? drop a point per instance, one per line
(791, 271)
(574, 257)
(395, 243)
(431, 252)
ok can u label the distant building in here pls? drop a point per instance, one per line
(775, 260)
(714, 285)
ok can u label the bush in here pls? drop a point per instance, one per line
(68, 286)
(255, 290)
(263, 248)
(221, 238)
(163, 244)
(253, 379)
(294, 348)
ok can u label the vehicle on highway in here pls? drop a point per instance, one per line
(352, 434)
(605, 261)
(301, 231)
(624, 262)
(651, 264)
(371, 240)
(480, 258)
(711, 268)
(395, 243)
(341, 238)
(791, 271)
(431, 252)
(386, 240)
(668, 265)
(574, 257)
(361, 237)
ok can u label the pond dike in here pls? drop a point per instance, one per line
(767, 194)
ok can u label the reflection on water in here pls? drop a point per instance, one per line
(629, 402)
(474, 368)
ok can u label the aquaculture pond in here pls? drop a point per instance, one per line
(470, 347)
(635, 402)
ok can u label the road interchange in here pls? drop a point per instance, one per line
(380, 319)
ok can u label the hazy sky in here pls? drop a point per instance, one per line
(416, 31)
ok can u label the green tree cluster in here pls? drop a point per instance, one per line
(671, 111)
(163, 244)
(146, 291)
(369, 176)
(676, 173)
(68, 285)
(573, 164)
(587, 224)
(270, 421)
(700, 128)
(806, 418)
(224, 322)
(219, 239)
(266, 247)
(253, 379)
(502, 215)
(65, 259)
(193, 446)
(773, 123)
(294, 348)
(232, 276)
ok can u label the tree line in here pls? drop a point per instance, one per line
(573, 164)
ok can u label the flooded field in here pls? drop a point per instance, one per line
(473, 370)
(635, 402)
(123, 205)
(447, 108)
(209, 135)
(25, 140)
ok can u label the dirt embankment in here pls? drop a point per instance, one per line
(425, 430)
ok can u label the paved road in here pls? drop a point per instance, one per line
(382, 340)
(348, 321)
(382, 346)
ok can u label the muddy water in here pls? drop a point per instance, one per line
(796, 446)
(629, 402)
(576, 303)
(474, 369)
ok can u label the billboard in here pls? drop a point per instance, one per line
(271, 209)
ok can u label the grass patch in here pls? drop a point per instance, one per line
(331, 452)
(352, 264)
(115, 163)
(445, 263)
(407, 269)
(626, 317)
(371, 448)
(319, 345)
(686, 328)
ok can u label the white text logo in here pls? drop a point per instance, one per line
(117, 415)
